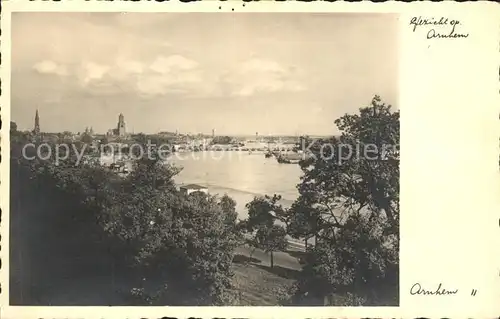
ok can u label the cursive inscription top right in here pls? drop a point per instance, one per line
(437, 25)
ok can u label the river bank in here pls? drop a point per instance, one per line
(241, 176)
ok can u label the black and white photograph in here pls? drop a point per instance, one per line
(204, 159)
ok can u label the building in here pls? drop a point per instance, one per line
(120, 129)
(192, 188)
(36, 130)
(121, 125)
(89, 131)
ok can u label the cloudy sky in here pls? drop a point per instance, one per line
(239, 73)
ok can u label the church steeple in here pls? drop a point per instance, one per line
(36, 130)
(120, 130)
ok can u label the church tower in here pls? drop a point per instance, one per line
(36, 130)
(121, 125)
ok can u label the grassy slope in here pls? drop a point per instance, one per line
(256, 286)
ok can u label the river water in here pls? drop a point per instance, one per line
(238, 174)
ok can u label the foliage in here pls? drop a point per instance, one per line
(104, 140)
(263, 212)
(284, 295)
(363, 263)
(351, 204)
(184, 242)
(86, 138)
(271, 239)
(141, 139)
(50, 217)
(304, 220)
(184, 248)
(222, 140)
(177, 250)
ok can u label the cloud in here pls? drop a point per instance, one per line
(172, 63)
(263, 66)
(176, 74)
(159, 76)
(90, 72)
(160, 84)
(169, 74)
(50, 67)
(126, 66)
(263, 76)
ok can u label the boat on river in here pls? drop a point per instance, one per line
(289, 158)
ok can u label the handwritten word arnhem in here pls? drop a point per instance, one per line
(417, 289)
(449, 26)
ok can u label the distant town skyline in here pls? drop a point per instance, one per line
(276, 74)
(121, 131)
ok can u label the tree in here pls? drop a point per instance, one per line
(86, 138)
(222, 140)
(180, 246)
(183, 244)
(350, 202)
(205, 229)
(188, 255)
(263, 212)
(304, 221)
(228, 206)
(13, 127)
(104, 140)
(271, 239)
(57, 207)
(141, 139)
(142, 207)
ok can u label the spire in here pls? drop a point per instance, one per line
(36, 130)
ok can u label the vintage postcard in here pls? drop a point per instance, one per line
(249, 160)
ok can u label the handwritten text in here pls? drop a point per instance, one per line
(417, 289)
(441, 28)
